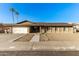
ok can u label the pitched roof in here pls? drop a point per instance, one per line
(51, 24)
(23, 21)
(44, 24)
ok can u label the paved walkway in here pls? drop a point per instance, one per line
(35, 38)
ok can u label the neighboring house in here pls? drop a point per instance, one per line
(38, 27)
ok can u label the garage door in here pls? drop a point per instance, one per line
(20, 30)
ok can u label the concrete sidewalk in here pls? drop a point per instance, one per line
(35, 38)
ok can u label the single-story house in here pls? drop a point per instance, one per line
(38, 27)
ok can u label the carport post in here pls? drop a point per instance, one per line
(40, 29)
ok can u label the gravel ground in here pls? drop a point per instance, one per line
(44, 48)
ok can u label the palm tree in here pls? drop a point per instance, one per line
(17, 14)
(12, 10)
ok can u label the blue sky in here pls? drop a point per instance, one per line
(40, 12)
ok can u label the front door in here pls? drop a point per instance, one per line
(34, 29)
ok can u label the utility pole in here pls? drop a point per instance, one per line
(12, 10)
(17, 14)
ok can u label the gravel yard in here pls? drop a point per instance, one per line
(49, 44)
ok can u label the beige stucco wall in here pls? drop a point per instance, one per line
(53, 29)
(42, 30)
(58, 30)
(62, 30)
(70, 29)
(49, 30)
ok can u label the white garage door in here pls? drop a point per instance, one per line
(20, 30)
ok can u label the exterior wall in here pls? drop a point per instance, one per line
(49, 30)
(66, 30)
(53, 29)
(62, 30)
(58, 29)
(74, 29)
(20, 30)
(43, 29)
(70, 29)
